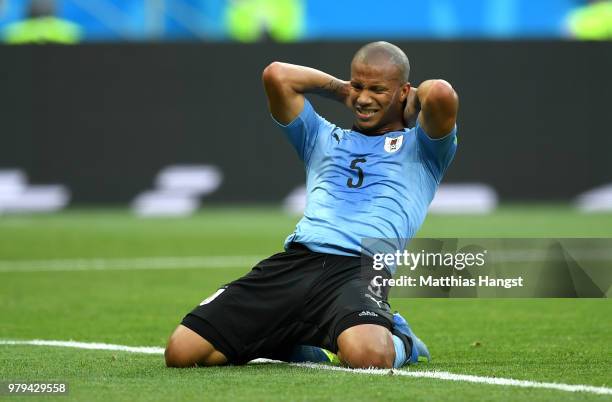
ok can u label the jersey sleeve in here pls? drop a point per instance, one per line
(438, 153)
(303, 131)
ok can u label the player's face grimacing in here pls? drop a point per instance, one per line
(377, 97)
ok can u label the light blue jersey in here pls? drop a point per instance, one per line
(363, 186)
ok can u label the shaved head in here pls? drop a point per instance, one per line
(384, 52)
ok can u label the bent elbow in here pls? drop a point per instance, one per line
(273, 73)
(441, 99)
(442, 92)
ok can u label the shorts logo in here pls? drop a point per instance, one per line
(393, 144)
(378, 302)
(368, 313)
(212, 297)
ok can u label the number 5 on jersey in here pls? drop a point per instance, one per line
(360, 173)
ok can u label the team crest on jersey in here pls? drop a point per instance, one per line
(393, 144)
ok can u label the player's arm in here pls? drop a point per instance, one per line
(286, 84)
(438, 103)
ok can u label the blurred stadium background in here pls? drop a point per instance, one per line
(159, 103)
(297, 20)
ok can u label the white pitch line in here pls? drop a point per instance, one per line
(438, 375)
(216, 262)
(442, 375)
(150, 350)
(136, 263)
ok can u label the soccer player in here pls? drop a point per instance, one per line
(375, 180)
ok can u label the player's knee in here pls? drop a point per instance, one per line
(187, 349)
(177, 353)
(365, 346)
(366, 355)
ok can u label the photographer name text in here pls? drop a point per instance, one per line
(446, 281)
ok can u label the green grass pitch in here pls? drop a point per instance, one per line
(550, 340)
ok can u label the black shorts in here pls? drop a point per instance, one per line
(297, 297)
